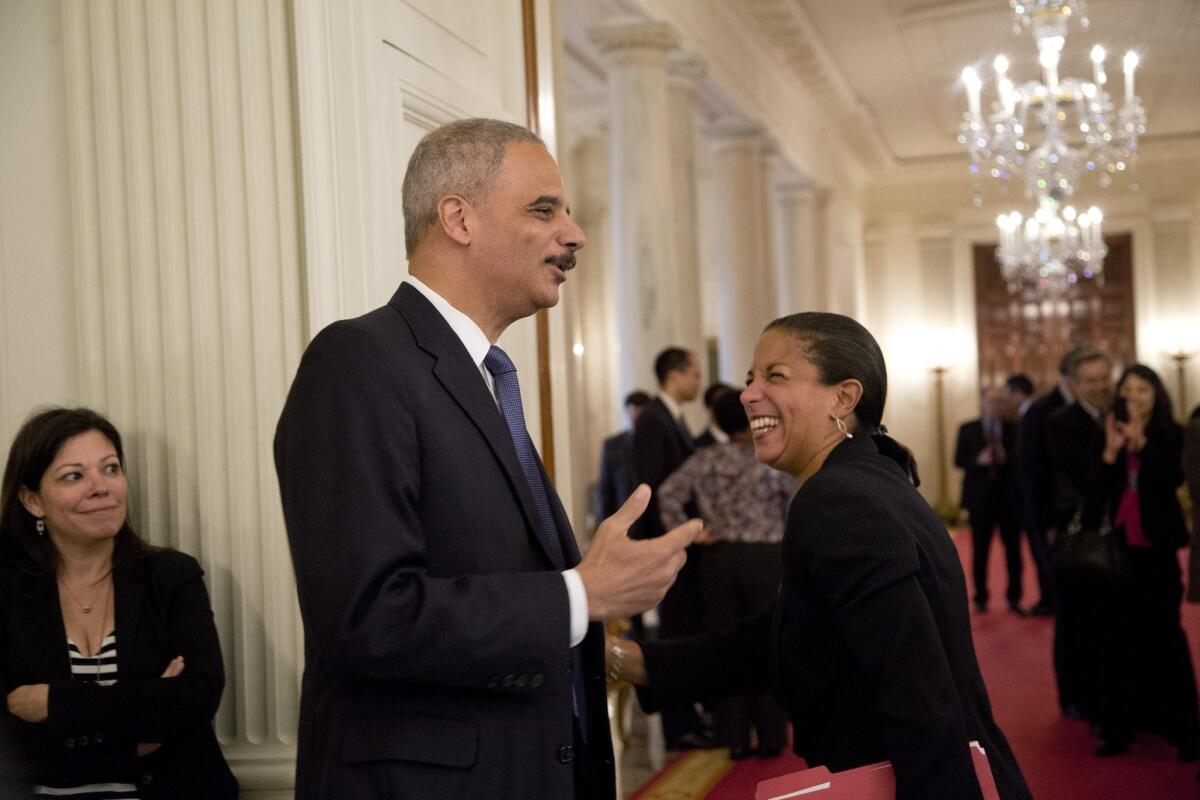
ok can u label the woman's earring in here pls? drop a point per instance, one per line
(41, 527)
(842, 429)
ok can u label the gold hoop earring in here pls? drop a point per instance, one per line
(41, 527)
(842, 429)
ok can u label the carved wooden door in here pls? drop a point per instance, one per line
(1031, 330)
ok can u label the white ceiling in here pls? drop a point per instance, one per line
(903, 59)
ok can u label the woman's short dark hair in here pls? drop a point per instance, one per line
(33, 450)
(842, 349)
(1162, 416)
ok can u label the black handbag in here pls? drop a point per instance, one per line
(1089, 553)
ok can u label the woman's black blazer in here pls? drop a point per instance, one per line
(869, 646)
(1158, 481)
(162, 610)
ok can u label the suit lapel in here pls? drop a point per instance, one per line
(128, 590)
(460, 377)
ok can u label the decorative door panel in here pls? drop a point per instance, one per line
(1030, 331)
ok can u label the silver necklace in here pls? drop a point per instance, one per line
(85, 609)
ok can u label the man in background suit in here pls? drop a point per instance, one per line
(453, 644)
(1075, 440)
(616, 461)
(661, 442)
(982, 452)
(1036, 479)
(713, 433)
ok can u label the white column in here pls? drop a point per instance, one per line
(187, 261)
(799, 248)
(742, 243)
(685, 71)
(642, 215)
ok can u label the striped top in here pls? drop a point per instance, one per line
(100, 669)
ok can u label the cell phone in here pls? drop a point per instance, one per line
(1121, 409)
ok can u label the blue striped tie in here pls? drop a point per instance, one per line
(508, 395)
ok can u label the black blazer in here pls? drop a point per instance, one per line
(436, 623)
(1158, 481)
(869, 645)
(1076, 444)
(983, 487)
(1034, 468)
(659, 447)
(162, 611)
(616, 474)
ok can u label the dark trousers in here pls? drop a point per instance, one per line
(1149, 683)
(681, 614)
(984, 521)
(739, 580)
(1041, 549)
(1083, 613)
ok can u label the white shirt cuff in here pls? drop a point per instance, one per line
(577, 595)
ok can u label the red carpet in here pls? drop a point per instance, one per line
(1055, 753)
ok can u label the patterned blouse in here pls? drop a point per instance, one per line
(100, 669)
(740, 500)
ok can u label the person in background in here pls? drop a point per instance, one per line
(983, 451)
(1191, 473)
(1148, 680)
(109, 658)
(1036, 481)
(868, 645)
(1018, 389)
(661, 442)
(743, 505)
(713, 433)
(1075, 441)
(616, 461)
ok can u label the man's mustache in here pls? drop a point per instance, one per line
(565, 262)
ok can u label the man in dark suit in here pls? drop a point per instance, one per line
(661, 442)
(616, 461)
(982, 452)
(453, 644)
(1075, 442)
(713, 433)
(1036, 482)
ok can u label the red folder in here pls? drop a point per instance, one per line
(872, 782)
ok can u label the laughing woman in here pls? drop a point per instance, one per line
(869, 644)
(109, 660)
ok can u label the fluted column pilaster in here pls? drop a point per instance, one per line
(187, 265)
(642, 215)
(742, 242)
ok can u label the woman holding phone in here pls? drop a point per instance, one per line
(1150, 685)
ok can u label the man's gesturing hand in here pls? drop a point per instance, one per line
(624, 576)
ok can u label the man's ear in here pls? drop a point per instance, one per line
(31, 501)
(849, 392)
(454, 214)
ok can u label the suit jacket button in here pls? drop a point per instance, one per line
(522, 681)
(70, 742)
(508, 681)
(98, 738)
(83, 741)
(566, 754)
(537, 680)
(493, 682)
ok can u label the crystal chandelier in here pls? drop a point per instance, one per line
(1051, 132)
(1053, 248)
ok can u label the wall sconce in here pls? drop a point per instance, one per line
(1181, 357)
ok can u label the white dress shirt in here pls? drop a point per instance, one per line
(477, 344)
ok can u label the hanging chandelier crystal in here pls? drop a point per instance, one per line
(1051, 133)
(1052, 249)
